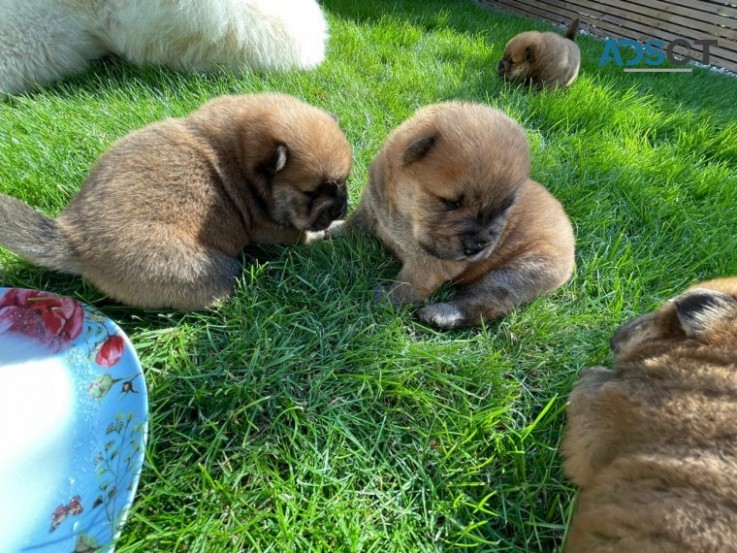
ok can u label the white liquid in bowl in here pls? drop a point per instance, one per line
(36, 420)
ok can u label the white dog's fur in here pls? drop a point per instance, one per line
(44, 40)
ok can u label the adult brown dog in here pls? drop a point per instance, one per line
(546, 60)
(450, 195)
(653, 442)
(164, 213)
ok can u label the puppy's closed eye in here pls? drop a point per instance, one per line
(330, 188)
(451, 204)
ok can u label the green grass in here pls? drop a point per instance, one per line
(301, 416)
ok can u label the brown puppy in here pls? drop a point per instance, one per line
(450, 195)
(162, 216)
(546, 60)
(653, 442)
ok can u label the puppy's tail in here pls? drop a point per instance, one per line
(572, 30)
(36, 237)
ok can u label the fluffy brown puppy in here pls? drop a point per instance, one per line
(546, 60)
(163, 214)
(652, 443)
(450, 195)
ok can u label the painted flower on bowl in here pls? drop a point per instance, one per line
(51, 320)
(110, 351)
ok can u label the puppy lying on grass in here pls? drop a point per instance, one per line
(545, 60)
(450, 195)
(652, 443)
(164, 213)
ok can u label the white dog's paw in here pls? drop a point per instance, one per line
(442, 315)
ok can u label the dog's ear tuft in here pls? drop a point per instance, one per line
(418, 149)
(276, 161)
(701, 310)
(529, 55)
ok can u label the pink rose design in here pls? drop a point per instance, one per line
(50, 319)
(110, 352)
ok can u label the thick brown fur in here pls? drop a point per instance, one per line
(545, 60)
(450, 195)
(652, 443)
(164, 213)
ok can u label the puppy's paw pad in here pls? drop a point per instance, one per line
(442, 315)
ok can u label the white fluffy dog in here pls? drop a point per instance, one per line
(44, 40)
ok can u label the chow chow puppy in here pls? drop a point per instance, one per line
(546, 60)
(450, 195)
(652, 443)
(44, 40)
(162, 216)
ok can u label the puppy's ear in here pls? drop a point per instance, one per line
(418, 149)
(276, 161)
(571, 30)
(701, 310)
(529, 55)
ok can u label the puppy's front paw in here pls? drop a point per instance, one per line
(401, 293)
(336, 229)
(397, 294)
(442, 315)
(312, 236)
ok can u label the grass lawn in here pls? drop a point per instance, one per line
(301, 416)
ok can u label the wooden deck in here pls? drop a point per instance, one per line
(645, 19)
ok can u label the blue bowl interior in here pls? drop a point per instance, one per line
(73, 424)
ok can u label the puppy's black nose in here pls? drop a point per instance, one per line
(339, 209)
(500, 68)
(473, 246)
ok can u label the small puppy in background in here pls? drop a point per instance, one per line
(45, 40)
(652, 443)
(546, 60)
(450, 195)
(166, 210)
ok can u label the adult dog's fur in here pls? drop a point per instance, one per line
(44, 40)
(546, 60)
(652, 443)
(162, 216)
(450, 195)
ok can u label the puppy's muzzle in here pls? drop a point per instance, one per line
(501, 68)
(476, 243)
(330, 207)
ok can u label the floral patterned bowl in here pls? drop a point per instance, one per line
(73, 424)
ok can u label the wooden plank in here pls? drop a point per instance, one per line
(598, 26)
(715, 61)
(594, 14)
(610, 7)
(701, 6)
(725, 31)
(535, 12)
(655, 9)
